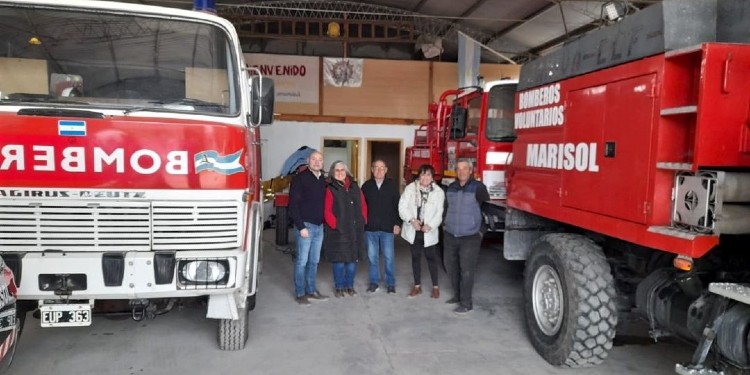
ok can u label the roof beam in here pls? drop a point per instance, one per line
(472, 8)
(519, 23)
(419, 6)
(523, 57)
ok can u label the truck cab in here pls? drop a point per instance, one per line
(129, 161)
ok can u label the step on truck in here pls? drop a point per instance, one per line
(629, 186)
(129, 162)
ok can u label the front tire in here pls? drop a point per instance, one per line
(571, 314)
(233, 334)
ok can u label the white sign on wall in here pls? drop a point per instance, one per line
(296, 78)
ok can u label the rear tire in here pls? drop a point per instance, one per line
(282, 226)
(571, 314)
(233, 333)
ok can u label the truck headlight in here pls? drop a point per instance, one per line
(204, 271)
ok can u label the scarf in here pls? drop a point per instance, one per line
(424, 193)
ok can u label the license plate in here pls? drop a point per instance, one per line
(7, 320)
(66, 315)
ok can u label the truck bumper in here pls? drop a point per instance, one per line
(139, 275)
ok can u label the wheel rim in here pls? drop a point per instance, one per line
(547, 296)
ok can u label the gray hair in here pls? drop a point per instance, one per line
(467, 161)
(335, 164)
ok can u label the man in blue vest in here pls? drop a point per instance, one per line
(463, 235)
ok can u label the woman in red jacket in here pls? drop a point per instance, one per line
(345, 218)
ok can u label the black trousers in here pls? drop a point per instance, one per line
(461, 254)
(417, 248)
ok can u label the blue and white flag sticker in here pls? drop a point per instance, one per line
(212, 161)
(71, 128)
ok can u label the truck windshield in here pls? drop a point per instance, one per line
(87, 58)
(500, 113)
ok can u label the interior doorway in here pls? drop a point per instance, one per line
(388, 150)
(344, 149)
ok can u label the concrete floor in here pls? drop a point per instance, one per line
(368, 334)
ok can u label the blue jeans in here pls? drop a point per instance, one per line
(308, 256)
(343, 274)
(376, 242)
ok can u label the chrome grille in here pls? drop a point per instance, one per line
(118, 226)
(195, 225)
(78, 225)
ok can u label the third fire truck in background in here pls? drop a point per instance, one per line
(628, 187)
(477, 124)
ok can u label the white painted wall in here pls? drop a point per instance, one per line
(282, 138)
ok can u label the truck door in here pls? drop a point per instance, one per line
(618, 118)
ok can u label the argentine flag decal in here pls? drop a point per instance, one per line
(212, 161)
(71, 128)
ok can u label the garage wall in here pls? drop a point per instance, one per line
(391, 89)
(284, 137)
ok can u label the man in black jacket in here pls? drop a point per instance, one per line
(306, 195)
(381, 195)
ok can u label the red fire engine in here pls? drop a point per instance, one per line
(476, 125)
(629, 184)
(129, 161)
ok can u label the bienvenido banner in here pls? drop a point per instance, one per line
(296, 78)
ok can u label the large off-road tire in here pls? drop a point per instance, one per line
(233, 333)
(571, 314)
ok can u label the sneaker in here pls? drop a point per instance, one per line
(461, 310)
(302, 300)
(415, 291)
(351, 292)
(453, 301)
(339, 293)
(373, 288)
(435, 292)
(317, 296)
(391, 290)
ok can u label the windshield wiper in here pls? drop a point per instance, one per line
(169, 105)
(188, 101)
(19, 97)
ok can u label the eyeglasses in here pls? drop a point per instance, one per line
(380, 168)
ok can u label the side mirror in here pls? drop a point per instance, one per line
(261, 100)
(458, 122)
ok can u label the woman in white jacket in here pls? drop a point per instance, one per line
(421, 208)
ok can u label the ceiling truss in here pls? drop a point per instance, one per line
(359, 22)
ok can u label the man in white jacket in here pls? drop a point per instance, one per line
(421, 208)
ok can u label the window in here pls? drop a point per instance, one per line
(475, 115)
(500, 108)
(102, 60)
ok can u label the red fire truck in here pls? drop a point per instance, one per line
(629, 185)
(129, 161)
(628, 188)
(477, 124)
